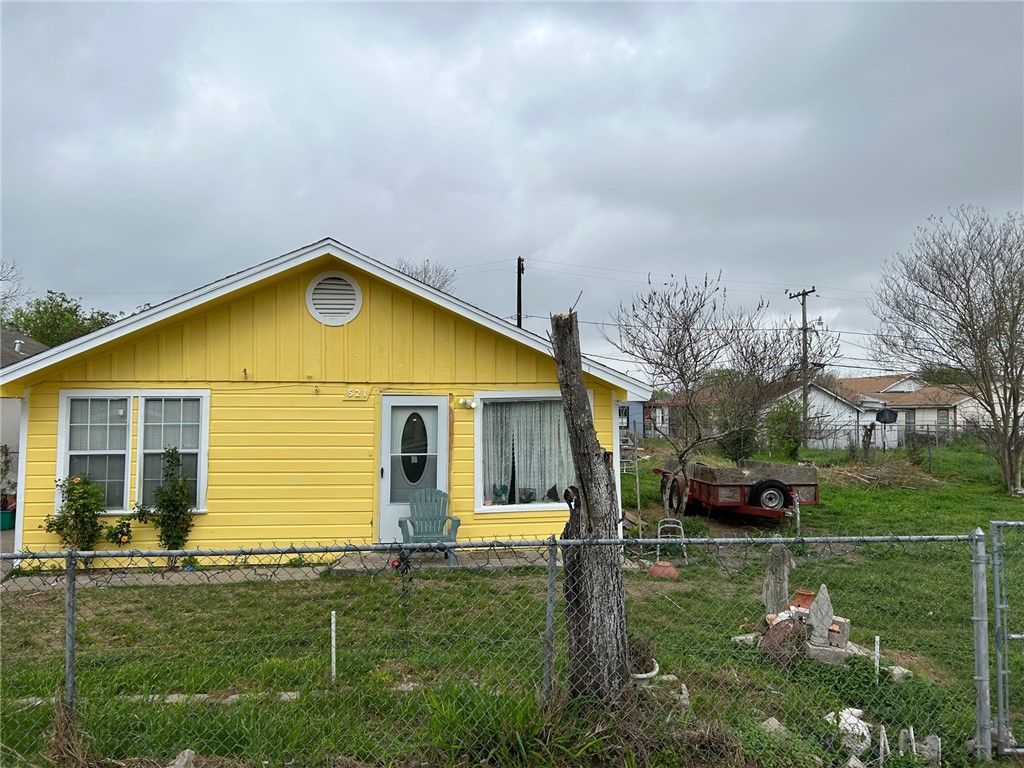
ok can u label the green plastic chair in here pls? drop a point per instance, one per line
(428, 520)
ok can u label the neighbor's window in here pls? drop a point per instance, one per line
(525, 453)
(942, 417)
(98, 444)
(169, 422)
(623, 417)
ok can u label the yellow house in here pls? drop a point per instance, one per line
(308, 396)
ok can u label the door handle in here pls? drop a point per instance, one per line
(382, 473)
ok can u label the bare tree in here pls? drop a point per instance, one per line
(723, 366)
(430, 272)
(595, 603)
(11, 288)
(954, 301)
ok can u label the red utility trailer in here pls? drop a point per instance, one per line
(761, 488)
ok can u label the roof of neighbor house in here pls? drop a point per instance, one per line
(873, 388)
(15, 346)
(635, 389)
(812, 385)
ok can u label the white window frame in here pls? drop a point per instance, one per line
(134, 431)
(516, 395)
(64, 427)
(203, 395)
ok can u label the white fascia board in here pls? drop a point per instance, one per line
(635, 389)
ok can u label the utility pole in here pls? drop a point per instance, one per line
(520, 268)
(802, 295)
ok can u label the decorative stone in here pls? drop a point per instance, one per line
(777, 566)
(771, 725)
(883, 746)
(907, 745)
(683, 696)
(899, 674)
(184, 759)
(748, 639)
(663, 569)
(840, 636)
(931, 750)
(820, 617)
(856, 734)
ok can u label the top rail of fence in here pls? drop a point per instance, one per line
(498, 544)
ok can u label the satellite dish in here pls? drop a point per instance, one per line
(886, 416)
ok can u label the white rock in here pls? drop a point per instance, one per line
(853, 762)
(684, 696)
(931, 750)
(856, 733)
(184, 759)
(771, 725)
(899, 674)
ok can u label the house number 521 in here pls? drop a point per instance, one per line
(358, 394)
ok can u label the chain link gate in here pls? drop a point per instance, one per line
(1008, 588)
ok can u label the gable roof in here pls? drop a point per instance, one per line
(635, 389)
(15, 346)
(798, 392)
(874, 388)
(862, 385)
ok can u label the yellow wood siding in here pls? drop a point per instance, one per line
(292, 457)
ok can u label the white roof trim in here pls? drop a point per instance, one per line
(635, 389)
(829, 392)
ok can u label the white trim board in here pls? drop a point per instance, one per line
(635, 389)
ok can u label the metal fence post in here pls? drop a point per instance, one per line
(549, 622)
(997, 600)
(69, 630)
(983, 695)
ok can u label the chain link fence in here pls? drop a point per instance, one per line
(365, 655)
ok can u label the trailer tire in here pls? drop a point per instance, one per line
(770, 494)
(675, 500)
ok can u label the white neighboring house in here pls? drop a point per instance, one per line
(922, 409)
(14, 347)
(833, 421)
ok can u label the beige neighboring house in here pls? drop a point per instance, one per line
(921, 408)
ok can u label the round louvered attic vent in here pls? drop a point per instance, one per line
(333, 298)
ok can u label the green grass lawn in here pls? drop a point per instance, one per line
(443, 667)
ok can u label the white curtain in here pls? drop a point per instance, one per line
(534, 432)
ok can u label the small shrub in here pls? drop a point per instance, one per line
(738, 444)
(77, 523)
(120, 533)
(171, 513)
(783, 429)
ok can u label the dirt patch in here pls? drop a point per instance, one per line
(920, 665)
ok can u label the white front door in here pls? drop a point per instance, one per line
(414, 454)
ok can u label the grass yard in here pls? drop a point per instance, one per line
(443, 667)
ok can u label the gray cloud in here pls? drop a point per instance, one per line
(151, 148)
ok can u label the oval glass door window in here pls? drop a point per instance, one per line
(414, 448)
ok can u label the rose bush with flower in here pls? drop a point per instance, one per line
(77, 523)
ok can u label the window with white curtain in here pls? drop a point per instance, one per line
(524, 452)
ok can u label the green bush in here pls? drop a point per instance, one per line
(77, 523)
(782, 428)
(171, 513)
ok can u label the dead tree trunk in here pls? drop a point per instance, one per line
(595, 606)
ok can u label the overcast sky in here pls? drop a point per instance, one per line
(149, 149)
